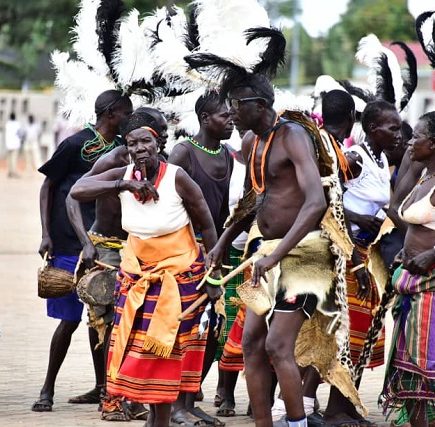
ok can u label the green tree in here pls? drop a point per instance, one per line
(33, 28)
(389, 20)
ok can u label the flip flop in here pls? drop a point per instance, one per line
(92, 396)
(183, 418)
(43, 404)
(209, 420)
(226, 409)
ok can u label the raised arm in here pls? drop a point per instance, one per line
(89, 188)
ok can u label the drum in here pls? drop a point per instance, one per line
(55, 282)
(97, 287)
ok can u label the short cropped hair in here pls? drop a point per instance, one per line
(258, 83)
(109, 99)
(429, 118)
(209, 102)
(337, 105)
(372, 112)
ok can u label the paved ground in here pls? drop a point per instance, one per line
(25, 331)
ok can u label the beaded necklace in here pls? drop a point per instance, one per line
(377, 160)
(259, 188)
(94, 148)
(205, 149)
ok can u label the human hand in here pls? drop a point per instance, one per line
(421, 263)
(214, 257)
(213, 292)
(260, 268)
(142, 190)
(89, 255)
(368, 223)
(46, 246)
(362, 277)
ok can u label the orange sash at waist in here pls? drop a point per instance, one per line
(158, 259)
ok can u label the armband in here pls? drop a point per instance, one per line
(214, 282)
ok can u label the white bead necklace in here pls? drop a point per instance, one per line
(377, 160)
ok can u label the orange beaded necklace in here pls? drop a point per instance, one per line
(259, 188)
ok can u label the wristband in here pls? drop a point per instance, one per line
(118, 184)
(213, 282)
(357, 267)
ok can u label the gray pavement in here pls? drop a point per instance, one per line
(25, 331)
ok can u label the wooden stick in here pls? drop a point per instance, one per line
(203, 280)
(103, 264)
(237, 270)
(193, 307)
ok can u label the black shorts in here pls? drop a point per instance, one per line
(305, 302)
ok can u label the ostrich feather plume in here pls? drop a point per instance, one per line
(425, 28)
(85, 37)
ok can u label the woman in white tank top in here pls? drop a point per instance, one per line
(160, 270)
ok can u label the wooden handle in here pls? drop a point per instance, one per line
(203, 280)
(103, 264)
(237, 270)
(77, 267)
(193, 307)
(44, 260)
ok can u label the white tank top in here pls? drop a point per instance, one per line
(370, 191)
(153, 219)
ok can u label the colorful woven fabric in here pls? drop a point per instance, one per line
(231, 299)
(232, 356)
(410, 374)
(361, 314)
(143, 376)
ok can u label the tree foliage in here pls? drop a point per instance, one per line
(31, 28)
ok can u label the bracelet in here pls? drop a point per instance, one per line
(357, 267)
(213, 282)
(118, 183)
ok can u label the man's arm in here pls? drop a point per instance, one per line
(180, 156)
(300, 152)
(45, 204)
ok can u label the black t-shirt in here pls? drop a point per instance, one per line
(64, 168)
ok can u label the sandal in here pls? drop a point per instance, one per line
(226, 409)
(92, 396)
(43, 404)
(183, 418)
(209, 420)
(115, 409)
(137, 411)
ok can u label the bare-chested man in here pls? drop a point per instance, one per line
(284, 173)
